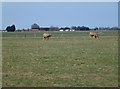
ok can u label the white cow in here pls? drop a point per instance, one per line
(46, 35)
(93, 35)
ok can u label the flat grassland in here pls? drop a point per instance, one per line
(68, 59)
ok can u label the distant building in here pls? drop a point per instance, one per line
(66, 30)
(34, 28)
(61, 30)
(3, 30)
(72, 30)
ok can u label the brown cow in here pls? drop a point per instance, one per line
(46, 35)
(93, 35)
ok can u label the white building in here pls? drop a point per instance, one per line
(61, 30)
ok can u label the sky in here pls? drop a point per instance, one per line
(61, 14)
(60, 0)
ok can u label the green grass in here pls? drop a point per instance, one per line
(68, 59)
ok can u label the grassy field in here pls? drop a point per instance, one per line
(68, 59)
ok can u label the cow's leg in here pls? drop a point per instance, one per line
(44, 38)
(97, 36)
(47, 38)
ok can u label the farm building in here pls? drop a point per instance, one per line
(34, 28)
(61, 30)
(72, 30)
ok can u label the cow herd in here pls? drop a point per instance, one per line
(91, 35)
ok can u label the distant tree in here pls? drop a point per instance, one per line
(114, 28)
(67, 28)
(78, 28)
(108, 28)
(95, 28)
(8, 28)
(74, 27)
(11, 28)
(83, 28)
(52, 28)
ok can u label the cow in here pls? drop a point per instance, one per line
(93, 35)
(46, 36)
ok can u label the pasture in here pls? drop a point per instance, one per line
(68, 59)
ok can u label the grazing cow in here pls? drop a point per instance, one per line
(93, 35)
(46, 35)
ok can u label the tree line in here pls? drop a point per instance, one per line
(53, 28)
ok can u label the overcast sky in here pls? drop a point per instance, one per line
(61, 14)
